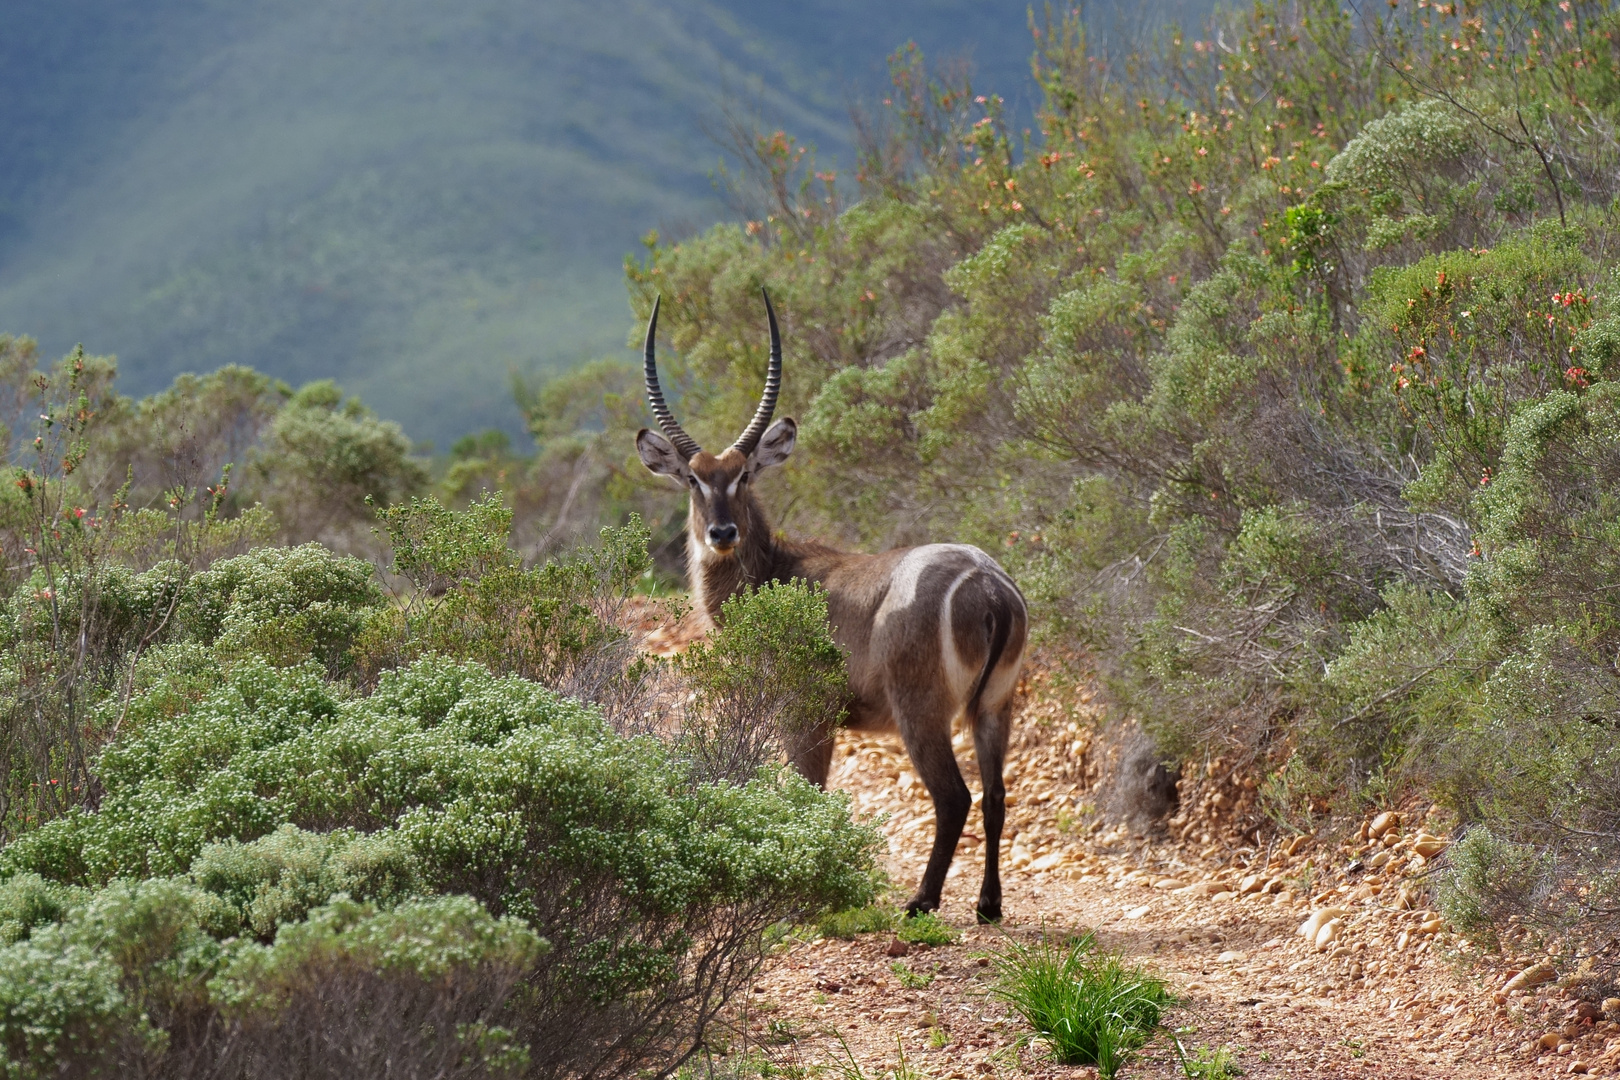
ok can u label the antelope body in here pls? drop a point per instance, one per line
(931, 632)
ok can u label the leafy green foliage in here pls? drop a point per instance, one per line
(319, 830)
(325, 456)
(277, 797)
(1089, 1007)
(910, 978)
(926, 928)
(852, 922)
(279, 878)
(428, 939)
(286, 604)
(1209, 1064)
(770, 675)
(557, 623)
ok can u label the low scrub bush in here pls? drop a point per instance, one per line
(1090, 1008)
(1205, 1063)
(469, 595)
(766, 678)
(279, 794)
(421, 990)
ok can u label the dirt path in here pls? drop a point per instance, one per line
(1380, 1001)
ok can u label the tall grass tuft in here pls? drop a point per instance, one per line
(1090, 1007)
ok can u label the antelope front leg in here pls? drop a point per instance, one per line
(810, 752)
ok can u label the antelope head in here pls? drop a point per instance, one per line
(723, 512)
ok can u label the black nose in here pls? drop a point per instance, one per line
(723, 534)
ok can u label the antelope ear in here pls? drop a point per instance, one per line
(659, 455)
(776, 444)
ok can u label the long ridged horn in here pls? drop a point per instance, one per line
(773, 384)
(683, 442)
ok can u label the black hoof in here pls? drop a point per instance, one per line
(917, 905)
(988, 914)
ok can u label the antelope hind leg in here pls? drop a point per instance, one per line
(990, 733)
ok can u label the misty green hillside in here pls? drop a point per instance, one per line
(414, 198)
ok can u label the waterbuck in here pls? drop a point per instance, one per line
(931, 632)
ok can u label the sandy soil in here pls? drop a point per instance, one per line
(1388, 997)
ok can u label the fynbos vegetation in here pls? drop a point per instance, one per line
(263, 819)
(1278, 364)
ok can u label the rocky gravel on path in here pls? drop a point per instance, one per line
(1304, 959)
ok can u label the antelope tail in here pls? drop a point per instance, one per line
(999, 622)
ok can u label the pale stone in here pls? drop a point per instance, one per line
(1383, 823)
(1431, 926)
(1136, 913)
(1202, 888)
(1428, 846)
(1047, 862)
(1249, 885)
(1328, 933)
(1534, 975)
(1228, 957)
(1313, 925)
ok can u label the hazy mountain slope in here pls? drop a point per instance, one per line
(411, 197)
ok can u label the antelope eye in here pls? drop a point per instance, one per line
(743, 479)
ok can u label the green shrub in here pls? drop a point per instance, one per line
(909, 978)
(61, 1009)
(557, 624)
(279, 793)
(108, 987)
(278, 878)
(285, 605)
(1090, 1008)
(428, 939)
(28, 901)
(324, 457)
(870, 919)
(1488, 880)
(352, 991)
(1209, 1064)
(769, 677)
(926, 928)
